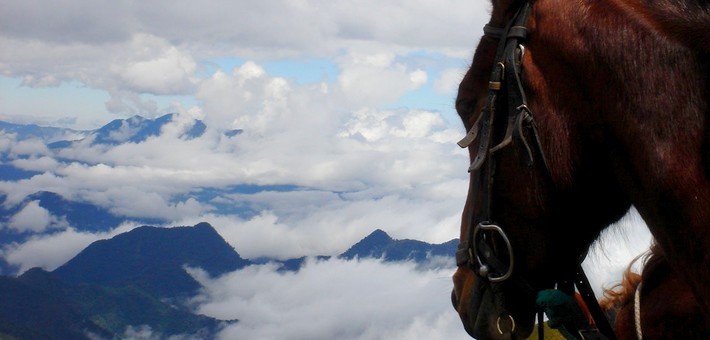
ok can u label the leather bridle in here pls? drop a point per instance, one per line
(487, 249)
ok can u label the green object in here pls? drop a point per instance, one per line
(562, 311)
(550, 333)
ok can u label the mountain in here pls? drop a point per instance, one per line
(11, 173)
(22, 132)
(147, 257)
(153, 260)
(116, 283)
(128, 281)
(380, 245)
(134, 130)
(83, 217)
(137, 129)
(46, 134)
(38, 305)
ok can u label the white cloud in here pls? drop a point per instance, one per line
(418, 78)
(31, 147)
(371, 80)
(419, 124)
(133, 202)
(159, 48)
(448, 81)
(42, 81)
(43, 163)
(50, 251)
(394, 169)
(333, 299)
(6, 140)
(32, 218)
(234, 26)
(293, 224)
(57, 21)
(616, 248)
(156, 67)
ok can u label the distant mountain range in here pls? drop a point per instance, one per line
(135, 129)
(132, 130)
(47, 134)
(380, 245)
(138, 279)
(83, 216)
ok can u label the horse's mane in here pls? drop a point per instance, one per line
(622, 293)
(671, 309)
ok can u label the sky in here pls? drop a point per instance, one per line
(349, 102)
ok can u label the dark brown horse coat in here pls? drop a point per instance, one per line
(619, 91)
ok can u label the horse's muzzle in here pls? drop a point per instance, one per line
(483, 318)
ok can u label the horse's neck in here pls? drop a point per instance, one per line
(642, 108)
(684, 21)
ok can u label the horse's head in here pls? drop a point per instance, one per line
(528, 219)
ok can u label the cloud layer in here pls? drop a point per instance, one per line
(333, 299)
(138, 52)
(357, 167)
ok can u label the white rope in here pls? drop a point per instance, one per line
(637, 312)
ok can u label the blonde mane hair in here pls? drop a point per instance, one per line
(622, 293)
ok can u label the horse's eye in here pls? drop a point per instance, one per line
(464, 107)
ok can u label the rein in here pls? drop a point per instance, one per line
(487, 250)
(637, 311)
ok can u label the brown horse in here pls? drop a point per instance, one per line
(663, 307)
(614, 112)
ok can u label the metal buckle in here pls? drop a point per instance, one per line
(484, 268)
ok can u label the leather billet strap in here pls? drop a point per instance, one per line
(585, 290)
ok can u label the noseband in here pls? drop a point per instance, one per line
(487, 249)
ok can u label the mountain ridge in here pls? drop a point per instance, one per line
(148, 257)
(39, 305)
(379, 244)
(48, 134)
(134, 129)
(138, 278)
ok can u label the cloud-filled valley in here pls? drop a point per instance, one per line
(333, 299)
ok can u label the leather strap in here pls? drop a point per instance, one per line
(587, 293)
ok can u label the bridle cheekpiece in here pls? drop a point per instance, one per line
(486, 248)
(476, 250)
